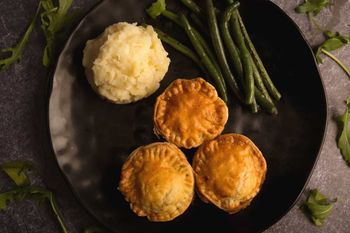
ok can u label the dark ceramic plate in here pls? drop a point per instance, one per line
(91, 137)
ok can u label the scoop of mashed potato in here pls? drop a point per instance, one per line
(125, 63)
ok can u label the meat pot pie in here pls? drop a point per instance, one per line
(229, 171)
(189, 112)
(158, 181)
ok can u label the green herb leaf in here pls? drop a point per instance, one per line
(16, 171)
(312, 6)
(17, 50)
(329, 45)
(318, 206)
(330, 34)
(344, 133)
(335, 41)
(52, 20)
(6, 197)
(156, 8)
(33, 193)
(17, 194)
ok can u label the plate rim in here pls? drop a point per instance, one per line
(325, 117)
(49, 88)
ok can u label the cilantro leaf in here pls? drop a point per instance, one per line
(318, 207)
(312, 6)
(16, 171)
(52, 20)
(33, 193)
(156, 8)
(344, 133)
(17, 50)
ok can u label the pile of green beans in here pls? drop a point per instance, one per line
(223, 43)
(213, 72)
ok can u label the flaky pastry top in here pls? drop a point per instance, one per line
(158, 181)
(229, 171)
(189, 112)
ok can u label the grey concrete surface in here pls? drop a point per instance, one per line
(22, 98)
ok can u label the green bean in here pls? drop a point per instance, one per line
(254, 108)
(259, 83)
(208, 50)
(245, 56)
(192, 6)
(265, 76)
(264, 102)
(197, 15)
(197, 21)
(179, 47)
(204, 57)
(219, 49)
(174, 17)
(198, 11)
(231, 46)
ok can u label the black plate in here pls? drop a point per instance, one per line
(91, 137)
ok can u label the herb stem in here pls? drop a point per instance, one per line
(314, 22)
(57, 213)
(17, 50)
(334, 58)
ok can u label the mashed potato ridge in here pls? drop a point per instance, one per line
(125, 63)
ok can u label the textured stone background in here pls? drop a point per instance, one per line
(21, 104)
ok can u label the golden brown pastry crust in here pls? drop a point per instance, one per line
(158, 181)
(229, 171)
(189, 112)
